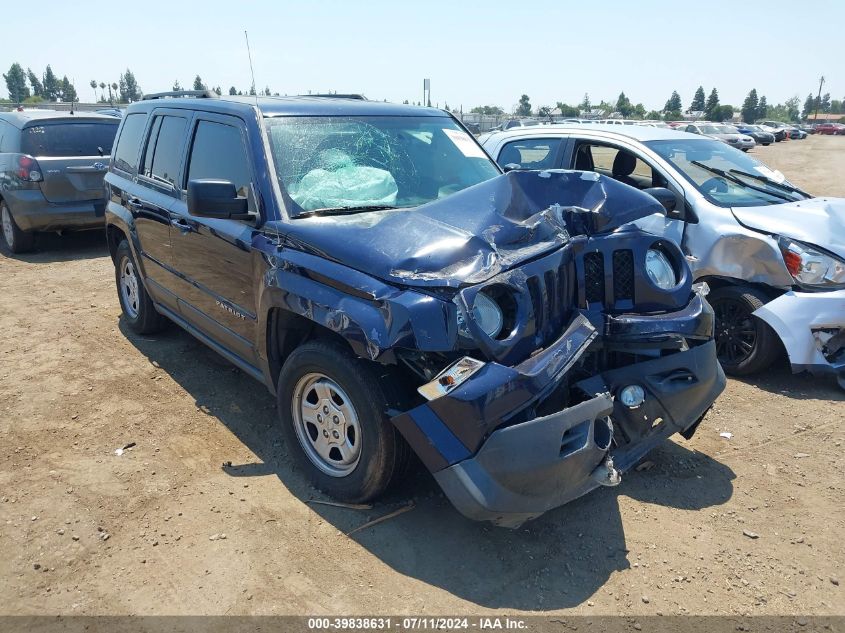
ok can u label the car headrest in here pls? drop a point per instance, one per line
(624, 164)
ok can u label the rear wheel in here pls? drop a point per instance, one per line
(17, 241)
(137, 306)
(332, 411)
(745, 344)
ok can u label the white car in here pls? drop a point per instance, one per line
(773, 256)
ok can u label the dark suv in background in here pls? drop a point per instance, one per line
(379, 273)
(51, 172)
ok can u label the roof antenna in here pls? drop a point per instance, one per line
(251, 71)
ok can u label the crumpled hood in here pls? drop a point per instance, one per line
(819, 221)
(471, 235)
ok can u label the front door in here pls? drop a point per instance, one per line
(627, 165)
(214, 257)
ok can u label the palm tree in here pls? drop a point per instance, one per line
(93, 85)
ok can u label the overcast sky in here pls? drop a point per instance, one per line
(474, 52)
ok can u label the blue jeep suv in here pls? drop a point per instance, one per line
(399, 294)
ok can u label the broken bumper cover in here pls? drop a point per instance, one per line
(811, 326)
(524, 470)
(519, 471)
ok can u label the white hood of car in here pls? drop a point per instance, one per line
(818, 221)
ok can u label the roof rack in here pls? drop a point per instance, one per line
(196, 94)
(334, 95)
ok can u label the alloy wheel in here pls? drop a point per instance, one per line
(736, 332)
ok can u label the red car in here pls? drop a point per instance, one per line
(830, 128)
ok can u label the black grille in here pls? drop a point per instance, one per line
(551, 299)
(594, 277)
(623, 275)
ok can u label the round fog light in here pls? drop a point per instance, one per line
(632, 396)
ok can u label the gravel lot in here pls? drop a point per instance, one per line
(748, 525)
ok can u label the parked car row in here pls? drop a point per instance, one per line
(778, 129)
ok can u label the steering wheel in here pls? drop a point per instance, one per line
(714, 185)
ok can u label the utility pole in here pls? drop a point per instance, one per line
(819, 99)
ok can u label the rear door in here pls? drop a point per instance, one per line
(73, 155)
(154, 192)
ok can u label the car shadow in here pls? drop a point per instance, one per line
(779, 379)
(556, 561)
(52, 247)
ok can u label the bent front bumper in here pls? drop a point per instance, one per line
(516, 471)
(808, 324)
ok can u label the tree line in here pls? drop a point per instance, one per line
(754, 108)
(24, 86)
(27, 87)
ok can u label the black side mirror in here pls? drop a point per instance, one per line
(666, 198)
(216, 199)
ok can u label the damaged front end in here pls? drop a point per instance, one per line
(591, 363)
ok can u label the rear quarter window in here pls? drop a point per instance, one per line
(126, 152)
(68, 138)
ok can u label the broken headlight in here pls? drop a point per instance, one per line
(487, 314)
(809, 266)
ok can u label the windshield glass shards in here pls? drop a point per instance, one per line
(336, 165)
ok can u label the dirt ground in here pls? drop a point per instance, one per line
(85, 531)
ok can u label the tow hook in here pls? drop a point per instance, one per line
(606, 474)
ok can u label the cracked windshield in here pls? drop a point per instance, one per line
(351, 164)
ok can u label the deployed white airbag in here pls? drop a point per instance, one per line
(339, 182)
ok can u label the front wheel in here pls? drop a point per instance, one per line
(137, 306)
(17, 241)
(333, 414)
(745, 344)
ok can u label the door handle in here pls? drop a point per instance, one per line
(135, 204)
(182, 224)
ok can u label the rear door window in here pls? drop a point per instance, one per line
(68, 138)
(165, 147)
(531, 153)
(126, 152)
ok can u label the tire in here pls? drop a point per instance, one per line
(17, 241)
(745, 344)
(354, 466)
(138, 309)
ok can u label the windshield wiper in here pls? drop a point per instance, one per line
(769, 181)
(735, 180)
(346, 210)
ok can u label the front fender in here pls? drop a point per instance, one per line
(373, 317)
